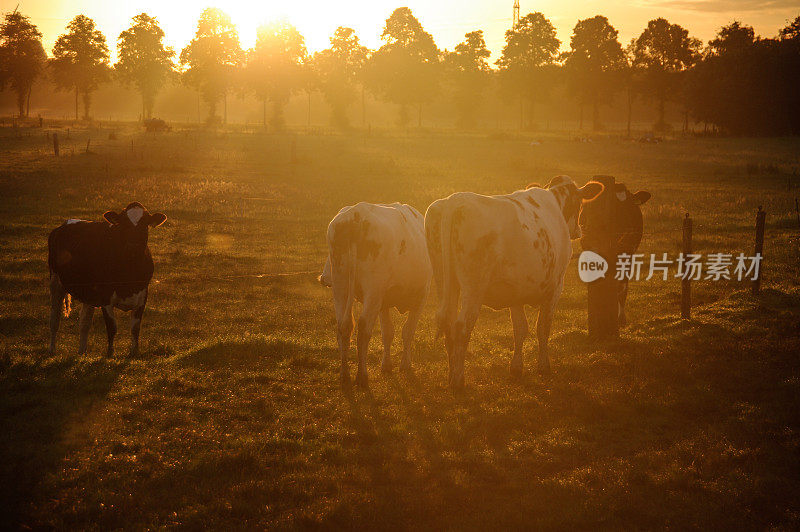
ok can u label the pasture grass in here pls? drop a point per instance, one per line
(233, 416)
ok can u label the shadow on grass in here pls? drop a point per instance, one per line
(249, 353)
(41, 401)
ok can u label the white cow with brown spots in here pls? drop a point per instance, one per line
(503, 252)
(377, 255)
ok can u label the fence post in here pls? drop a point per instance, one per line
(686, 283)
(759, 249)
(55, 144)
(603, 294)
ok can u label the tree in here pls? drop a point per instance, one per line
(791, 31)
(80, 60)
(404, 70)
(526, 65)
(748, 85)
(468, 73)
(339, 69)
(212, 58)
(664, 51)
(593, 63)
(143, 60)
(22, 57)
(275, 68)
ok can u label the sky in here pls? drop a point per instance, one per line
(446, 20)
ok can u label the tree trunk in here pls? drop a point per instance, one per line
(685, 120)
(630, 110)
(419, 115)
(87, 102)
(595, 114)
(76, 103)
(308, 115)
(363, 108)
(580, 119)
(521, 112)
(264, 101)
(225, 108)
(661, 111)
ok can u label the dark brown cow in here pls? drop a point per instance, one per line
(102, 264)
(628, 229)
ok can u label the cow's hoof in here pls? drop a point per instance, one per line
(362, 380)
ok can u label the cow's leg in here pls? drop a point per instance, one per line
(87, 311)
(57, 295)
(366, 322)
(111, 327)
(462, 330)
(387, 335)
(409, 328)
(623, 295)
(136, 326)
(520, 324)
(543, 323)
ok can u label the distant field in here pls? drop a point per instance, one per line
(233, 416)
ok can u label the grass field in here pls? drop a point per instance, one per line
(233, 416)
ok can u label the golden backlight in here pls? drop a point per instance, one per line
(446, 20)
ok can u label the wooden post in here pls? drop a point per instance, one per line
(55, 144)
(761, 217)
(686, 283)
(603, 294)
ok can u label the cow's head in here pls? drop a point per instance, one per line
(570, 198)
(627, 223)
(132, 224)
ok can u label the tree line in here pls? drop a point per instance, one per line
(738, 82)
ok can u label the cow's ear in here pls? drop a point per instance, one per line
(533, 185)
(641, 197)
(112, 217)
(157, 219)
(590, 190)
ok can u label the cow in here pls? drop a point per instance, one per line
(503, 252)
(101, 264)
(628, 228)
(376, 255)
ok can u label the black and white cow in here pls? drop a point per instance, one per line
(503, 252)
(102, 264)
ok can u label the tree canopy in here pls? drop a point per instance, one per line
(339, 69)
(80, 60)
(22, 56)
(405, 70)
(212, 58)
(143, 60)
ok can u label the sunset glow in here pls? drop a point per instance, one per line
(447, 20)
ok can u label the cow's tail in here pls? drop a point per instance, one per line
(448, 275)
(67, 308)
(66, 304)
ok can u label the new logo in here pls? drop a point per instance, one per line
(591, 266)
